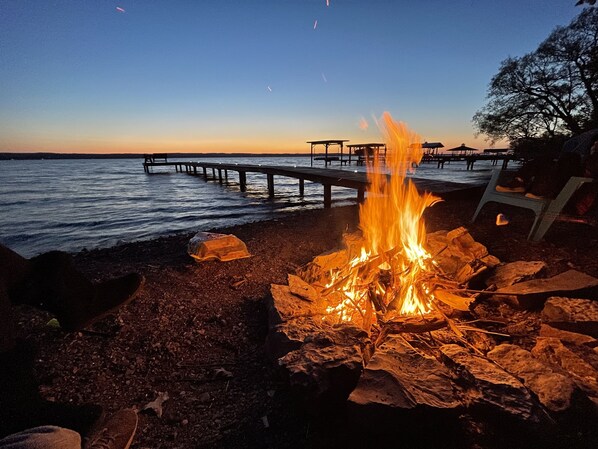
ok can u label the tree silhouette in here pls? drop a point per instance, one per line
(551, 91)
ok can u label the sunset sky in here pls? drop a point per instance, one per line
(252, 75)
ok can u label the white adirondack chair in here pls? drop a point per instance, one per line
(546, 210)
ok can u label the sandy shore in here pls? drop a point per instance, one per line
(196, 331)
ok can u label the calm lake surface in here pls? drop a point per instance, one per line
(72, 204)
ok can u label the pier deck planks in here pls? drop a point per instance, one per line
(328, 177)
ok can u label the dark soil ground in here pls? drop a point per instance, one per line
(196, 330)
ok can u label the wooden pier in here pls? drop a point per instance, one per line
(469, 159)
(326, 177)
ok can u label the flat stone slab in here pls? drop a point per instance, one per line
(488, 385)
(554, 390)
(302, 289)
(291, 335)
(283, 305)
(510, 273)
(569, 282)
(567, 336)
(399, 378)
(572, 314)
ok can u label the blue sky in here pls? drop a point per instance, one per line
(252, 75)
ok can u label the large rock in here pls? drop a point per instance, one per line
(211, 246)
(318, 270)
(459, 256)
(488, 386)
(554, 352)
(291, 335)
(572, 314)
(398, 378)
(511, 273)
(324, 369)
(555, 391)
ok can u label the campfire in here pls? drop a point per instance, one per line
(391, 327)
(390, 275)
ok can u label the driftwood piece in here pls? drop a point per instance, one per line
(487, 385)
(399, 379)
(556, 392)
(531, 293)
(508, 274)
(572, 314)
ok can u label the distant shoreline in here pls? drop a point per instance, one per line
(40, 156)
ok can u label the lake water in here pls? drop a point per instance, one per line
(71, 204)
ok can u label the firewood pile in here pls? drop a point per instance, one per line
(504, 348)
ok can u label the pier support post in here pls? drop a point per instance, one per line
(220, 175)
(213, 173)
(301, 186)
(205, 173)
(327, 196)
(226, 175)
(243, 181)
(270, 185)
(360, 195)
(194, 169)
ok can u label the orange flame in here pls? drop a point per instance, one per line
(393, 233)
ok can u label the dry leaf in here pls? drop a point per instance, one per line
(156, 405)
(221, 372)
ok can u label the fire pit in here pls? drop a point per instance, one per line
(389, 325)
